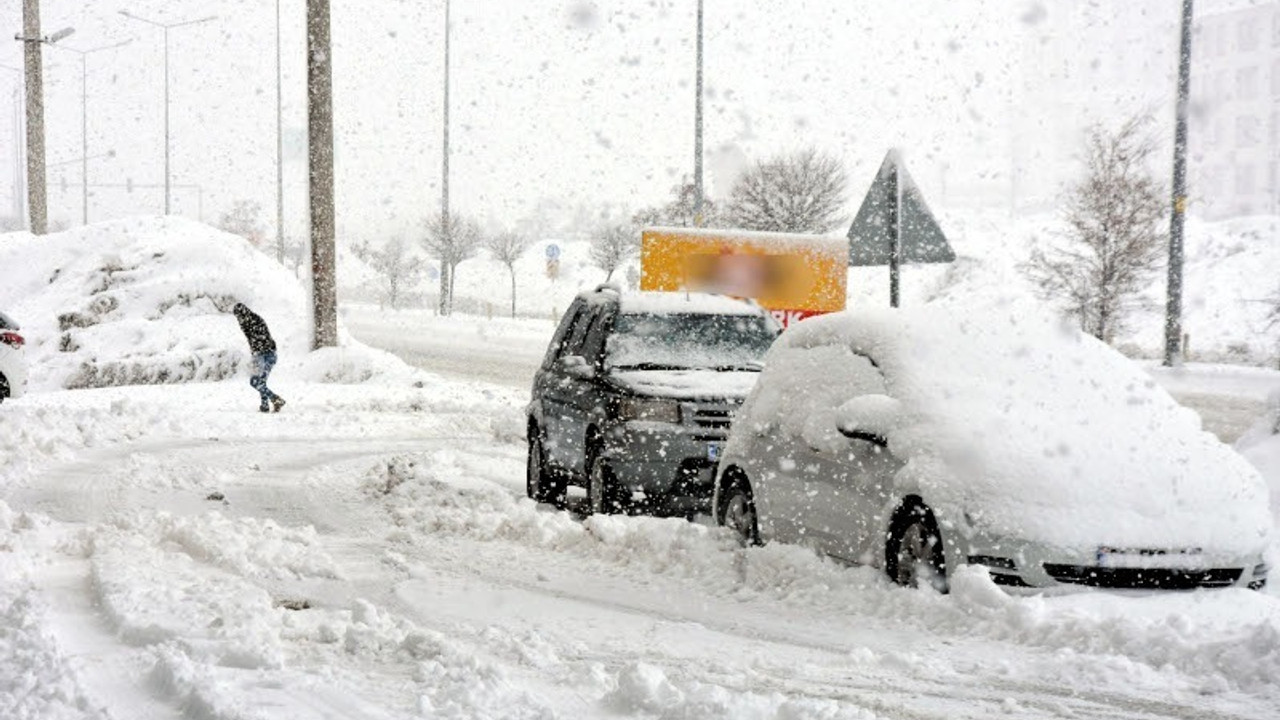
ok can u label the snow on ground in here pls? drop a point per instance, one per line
(168, 552)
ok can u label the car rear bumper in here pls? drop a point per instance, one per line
(14, 369)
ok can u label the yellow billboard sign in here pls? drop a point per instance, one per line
(793, 276)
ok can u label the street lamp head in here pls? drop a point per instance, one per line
(62, 34)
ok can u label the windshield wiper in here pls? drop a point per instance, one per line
(649, 366)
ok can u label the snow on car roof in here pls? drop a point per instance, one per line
(1016, 418)
(773, 240)
(672, 303)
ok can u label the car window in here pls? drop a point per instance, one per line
(7, 323)
(573, 345)
(593, 345)
(571, 318)
(802, 388)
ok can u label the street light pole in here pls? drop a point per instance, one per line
(279, 149)
(697, 129)
(166, 27)
(84, 119)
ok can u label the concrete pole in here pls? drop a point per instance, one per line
(279, 149)
(320, 173)
(697, 128)
(1173, 308)
(168, 197)
(37, 199)
(446, 223)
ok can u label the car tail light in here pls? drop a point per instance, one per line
(12, 339)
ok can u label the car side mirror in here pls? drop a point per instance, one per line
(576, 366)
(870, 418)
(865, 436)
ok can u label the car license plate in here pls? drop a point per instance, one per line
(713, 452)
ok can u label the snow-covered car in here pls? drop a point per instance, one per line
(919, 441)
(635, 395)
(13, 367)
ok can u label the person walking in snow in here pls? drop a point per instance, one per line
(263, 348)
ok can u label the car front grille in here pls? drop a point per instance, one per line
(713, 418)
(1143, 578)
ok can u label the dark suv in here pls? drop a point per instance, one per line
(634, 398)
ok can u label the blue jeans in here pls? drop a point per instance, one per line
(262, 365)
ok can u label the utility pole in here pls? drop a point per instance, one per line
(1173, 309)
(446, 222)
(697, 129)
(324, 286)
(279, 149)
(36, 191)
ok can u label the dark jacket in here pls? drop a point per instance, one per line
(255, 329)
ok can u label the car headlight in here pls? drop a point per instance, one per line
(649, 409)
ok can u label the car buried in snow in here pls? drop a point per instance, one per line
(13, 366)
(635, 395)
(920, 441)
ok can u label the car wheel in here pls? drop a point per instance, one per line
(540, 483)
(738, 512)
(603, 495)
(4, 388)
(913, 555)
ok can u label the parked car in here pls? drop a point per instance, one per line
(922, 441)
(634, 398)
(13, 367)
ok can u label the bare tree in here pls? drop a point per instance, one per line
(680, 211)
(450, 239)
(612, 245)
(1114, 241)
(397, 267)
(803, 192)
(244, 219)
(507, 247)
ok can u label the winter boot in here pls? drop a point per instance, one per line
(277, 402)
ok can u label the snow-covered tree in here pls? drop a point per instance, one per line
(803, 193)
(1099, 267)
(507, 248)
(611, 246)
(680, 211)
(397, 267)
(450, 239)
(244, 219)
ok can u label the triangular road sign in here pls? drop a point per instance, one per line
(871, 235)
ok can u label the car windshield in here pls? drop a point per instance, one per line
(7, 323)
(685, 341)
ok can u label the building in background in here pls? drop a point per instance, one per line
(1235, 124)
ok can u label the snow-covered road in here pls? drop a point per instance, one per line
(154, 540)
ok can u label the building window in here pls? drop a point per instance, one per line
(1247, 83)
(1247, 35)
(1244, 180)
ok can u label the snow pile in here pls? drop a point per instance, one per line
(141, 301)
(1261, 446)
(1033, 429)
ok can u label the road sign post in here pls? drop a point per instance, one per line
(894, 226)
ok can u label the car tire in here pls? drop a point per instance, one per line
(603, 494)
(913, 555)
(737, 511)
(541, 484)
(4, 388)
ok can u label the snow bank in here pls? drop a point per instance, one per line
(140, 301)
(1223, 640)
(1036, 431)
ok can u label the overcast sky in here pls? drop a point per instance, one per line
(566, 103)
